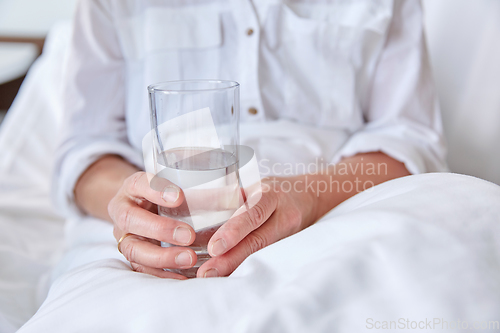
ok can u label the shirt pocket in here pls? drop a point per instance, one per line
(329, 51)
(175, 43)
(183, 28)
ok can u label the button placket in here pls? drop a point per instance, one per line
(250, 33)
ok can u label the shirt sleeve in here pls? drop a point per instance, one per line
(402, 117)
(93, 101)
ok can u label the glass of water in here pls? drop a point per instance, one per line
(195, 139)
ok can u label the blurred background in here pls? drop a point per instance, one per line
(463, 43)
(24, 24)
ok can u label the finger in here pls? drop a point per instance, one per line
(118, 234)
(238, 227)
(165, 194)
(225, 264)
(156, 272)
(137, 250)
(130, 218)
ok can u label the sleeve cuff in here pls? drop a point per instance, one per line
(417, 155)
(77, 161)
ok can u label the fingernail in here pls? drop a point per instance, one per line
(170, 194)
(213, 272)
(184, 259)
(182, 235)
(219, 247)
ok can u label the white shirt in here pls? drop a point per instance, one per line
(357, 70)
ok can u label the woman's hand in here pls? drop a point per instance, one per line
(285, 210)
(277, 215)
(113, 190)
(133, 211)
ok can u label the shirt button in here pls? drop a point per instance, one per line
(249, 31)
(252, 111)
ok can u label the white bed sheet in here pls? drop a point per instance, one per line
(420, 247)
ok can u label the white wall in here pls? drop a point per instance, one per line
(464, 44)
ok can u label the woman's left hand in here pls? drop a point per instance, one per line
(277, 215)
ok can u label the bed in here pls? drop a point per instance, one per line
(420, 250)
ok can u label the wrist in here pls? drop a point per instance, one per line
(100, 183)
(320, 196)
(307, 198)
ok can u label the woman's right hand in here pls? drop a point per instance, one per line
(134, 211)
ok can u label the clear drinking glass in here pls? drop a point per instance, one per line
(195, 134)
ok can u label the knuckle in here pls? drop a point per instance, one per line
(256, 216)
(228, 266)
(256, 242)
(124, 218)
(163, 227)
(129, 250)
(133, 181)
(138, 268)
(230, 231)
(162, 230)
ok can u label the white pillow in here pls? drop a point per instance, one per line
(28, 134)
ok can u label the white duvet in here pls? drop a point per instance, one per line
(421, 248)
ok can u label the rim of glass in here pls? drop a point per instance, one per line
(163, 86)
